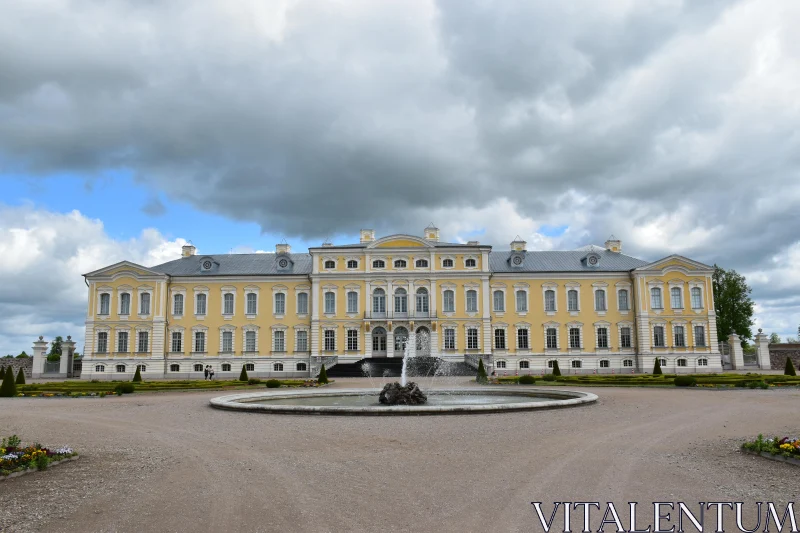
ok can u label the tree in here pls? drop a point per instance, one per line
(55, 349)
(774, 338)
(732, 304)
(789, 370)
(481, 377)
(243, 375)
(9, 387)
(657, 367)
(323, 376)
(21, 377)
(556, 370)
(22, 355)
(137, 377)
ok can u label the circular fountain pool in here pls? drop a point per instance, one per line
(365, 401)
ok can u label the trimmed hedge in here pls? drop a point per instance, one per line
(253, 381)
(526, 380)
(273, 383)
(685, 381)
(549, 377)
(124, 388)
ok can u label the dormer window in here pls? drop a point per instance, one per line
(400, 263)
(379, 263)
(206, 264)
(592, 260)
(330, 263)
(517, 259)
(284, 263)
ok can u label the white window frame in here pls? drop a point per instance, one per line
(173, 293)
(140, 299)
(245, 330)
(298, 330)
(452, 260)
(550, 287)
(120, 293)
(672, 288)
(226, 291)
(381, 259)
(148, 341)
(325, 266)
(422, 295)
(171, 339)
(555, 326)
(466, 258)
(477, 329)
(675, 327)
(699, 285)
(199, 331)
(427, 261)
(452, 289)
(298, 292)
(378, 312)
(454, 331)
(525, 300)
(102, 335)
(579, 327)
(127, 341)
(357, 293)
(325, 336)
(279, 331)
(660, 289)
(107, 291)
(251, 289)
(222, 331)
(197, 292)
(349, 331)
(663, 327)
(400, 258)
(400, 293)
(472, 312)
(624, 286)
(348, 260)
(577, 288)
(504, 329)
(527, 331)
(596, 287)
(620, 327)
(705, 334)
(325, 308)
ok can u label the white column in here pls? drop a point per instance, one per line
(390, 342)
(762, 347)
(368, 301)
(432, 302)
(737, 354)
(487, 317)
(412, 301)
(315, 351)
(39, 357)
(389, 300)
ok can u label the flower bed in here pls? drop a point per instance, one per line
(17, 458)
(786, 447)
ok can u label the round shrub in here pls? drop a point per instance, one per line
(527, 380)
(253, 381)
(273, 383)
(124, 388)
(685, 381)
(549, 377)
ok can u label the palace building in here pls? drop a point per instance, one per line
(594, 309)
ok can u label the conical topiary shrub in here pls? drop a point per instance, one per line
(137, 377)
(657, 367)
(789, 371)
(243, 375)
(323, 376)
(8, 388)
(21, 377)
(2, 372)
(481, 377)
(556, 370)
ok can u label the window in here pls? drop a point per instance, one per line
(174, 368)
(250, 341)
(447, 263)
(551, 364)
(422, 263)
(330, 263)
(252, 303)
(604, 363)
(302, 341)
(280, 341)
(471, 263)
(627, 363)
(622, 299)
(676, 302)
(177, 341)
(105, 303)
(226, 367)
(552, 338)
(680, 337)
(400, 263)
(449, 301)
(301, 367)
(199, 341)
(499, 301)
(227, 341)
(500, 364)
(352, 263)
(449, 339)
(702, 362)
(144, 337)
(697, 298)
(227, 304)
(472, 301)
(522, 339)
(302, 303)
(330, 340)
(144, 303)
(663, 362)
(198, 368)
(277, 367)
(500, 339)
(658, 336)
(602, 337)
(379, 263)
(352, 302)
(655, 298)
(422, 300)
(99, 368)
(574, 337)
(600, 300)
(400, 301)
(379, 340)
(681, 362)
(379, 301)
(250, 367)
(524, 365)
(201, 304)
(122, 341)
(472, 339)
(177, 304)
(522, 302)
(330, 303)
(280, 303)
(549, 300)
(102, 342)
(572, 300)
(625, 337)
(699, 336)
(124, 303)
(352, 340)
(576, 364)
(120, 368)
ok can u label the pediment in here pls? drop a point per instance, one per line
(676, 263)
(400, 241)
(124, 268)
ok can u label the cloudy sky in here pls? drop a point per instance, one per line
(128, 127)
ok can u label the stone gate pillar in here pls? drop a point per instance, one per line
(67, 355)
(39, 357)
(762, 350)
(737, 354)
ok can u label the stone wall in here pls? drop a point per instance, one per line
(779, 352)
(25, 363)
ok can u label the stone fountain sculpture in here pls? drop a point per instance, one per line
(397, 394)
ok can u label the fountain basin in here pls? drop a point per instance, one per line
(364, 402)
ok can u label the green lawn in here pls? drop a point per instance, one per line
(145, 386)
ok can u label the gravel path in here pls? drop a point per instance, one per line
(168, 462)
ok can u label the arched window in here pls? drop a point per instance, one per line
(552, 338)
(449, 301)
(470, 263)
(551, 364)
(198, 367)
(600, 300)
(680, 336)
(302, 303)
(379, 263)
(199, 341)
(301, 367)
(99, 368)
(226, 367)
(550, 300)
(524, 365)
(676, 301)
(252, 303)
(574, 337)
(124, 303)
(379, 301)
(627, 363)
(472, 301)
(447, 263)
(655, 298)
(352, 263)
(280, 303)
(499, 301)
(400, 301)
(227, 341)
(500, 364)
(622, 297)
(250, 367)
(422, 263)
(422, 300)
(378, 340)
(663, 362)
(122, 341)
(697, 298)
(400, 263)
(702, 362)
(227, 304)
(330, 263)
(352, 302)
(330, 303)
(658, 336)
(144, 303)
(177, 341)
(604, 363)
(522, 301)
(572, 300)
(120, 368)
(699, 336)
(177, 304)
(302, 340)
(681, 362)
(602, 337)
(201, 304)
(277, 367)
(576, 364)
(105, 303)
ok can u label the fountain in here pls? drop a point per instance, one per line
(404, 393)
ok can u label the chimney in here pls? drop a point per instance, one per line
(518, 245)
(188, 250)
(432, 233)
(367, 235)
(613, 245)
(472, 243)
(283, 248)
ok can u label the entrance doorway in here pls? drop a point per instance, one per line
(423, 342)
(379, 342)
(400, 340)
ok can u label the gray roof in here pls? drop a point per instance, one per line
(565, 261)
(236, 265)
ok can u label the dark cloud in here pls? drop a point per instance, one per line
(154, 206)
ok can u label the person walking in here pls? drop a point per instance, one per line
(211, 373)
(205, 373)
